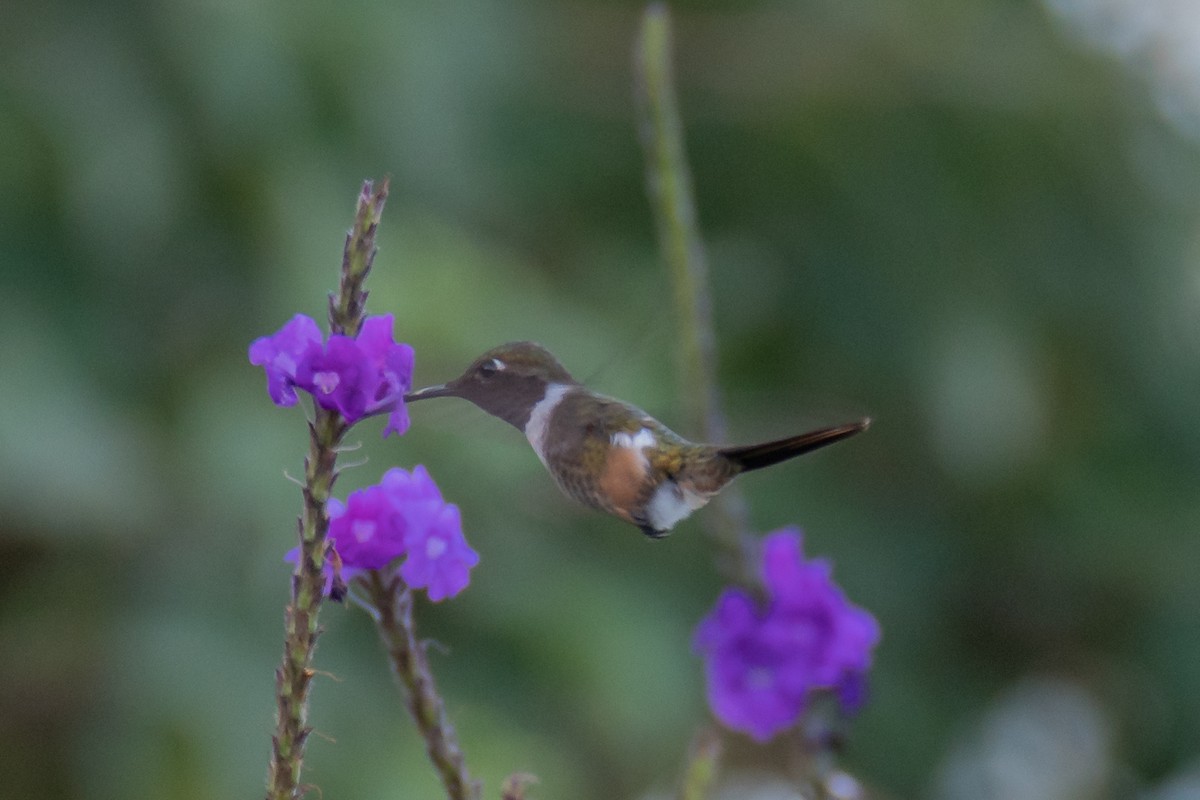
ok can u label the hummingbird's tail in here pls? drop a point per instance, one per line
(756, 456)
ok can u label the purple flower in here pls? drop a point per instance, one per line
(764, 659)
(367, 530)
(393, 365)
(357, 377)
(283, 353)
(439, 558)
(340, 378)
(403, 515)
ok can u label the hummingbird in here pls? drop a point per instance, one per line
(608, 454)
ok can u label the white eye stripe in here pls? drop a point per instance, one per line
(497, 364)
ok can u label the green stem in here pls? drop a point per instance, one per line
(393, 604)
(669, 185)
(347, 307)
(293, 678)
(700, 773)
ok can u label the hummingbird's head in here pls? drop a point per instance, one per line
(506, 381)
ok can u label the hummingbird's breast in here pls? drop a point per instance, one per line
(614, 457)
(595, 448)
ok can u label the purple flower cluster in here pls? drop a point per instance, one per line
(357, 377)
(403, 515)
(763, 660)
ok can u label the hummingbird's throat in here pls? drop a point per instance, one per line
(539, 417)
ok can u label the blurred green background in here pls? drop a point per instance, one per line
(975, 220)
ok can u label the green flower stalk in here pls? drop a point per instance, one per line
(293, 678)
(391, 602)
(347, 306)
(389, 539)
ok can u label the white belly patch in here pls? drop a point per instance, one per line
(671, 504)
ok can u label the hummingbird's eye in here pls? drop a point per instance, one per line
(489, 368)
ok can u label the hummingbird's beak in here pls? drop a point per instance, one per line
(441, 390)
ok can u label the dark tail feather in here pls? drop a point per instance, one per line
(755, 456)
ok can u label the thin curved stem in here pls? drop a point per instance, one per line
(669, 185)
(393, 603)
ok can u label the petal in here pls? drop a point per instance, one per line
(734, 615)
(439, 558)
(283, 353)
(398, 420)
(375, 337)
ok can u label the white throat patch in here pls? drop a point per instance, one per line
(539, 417)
